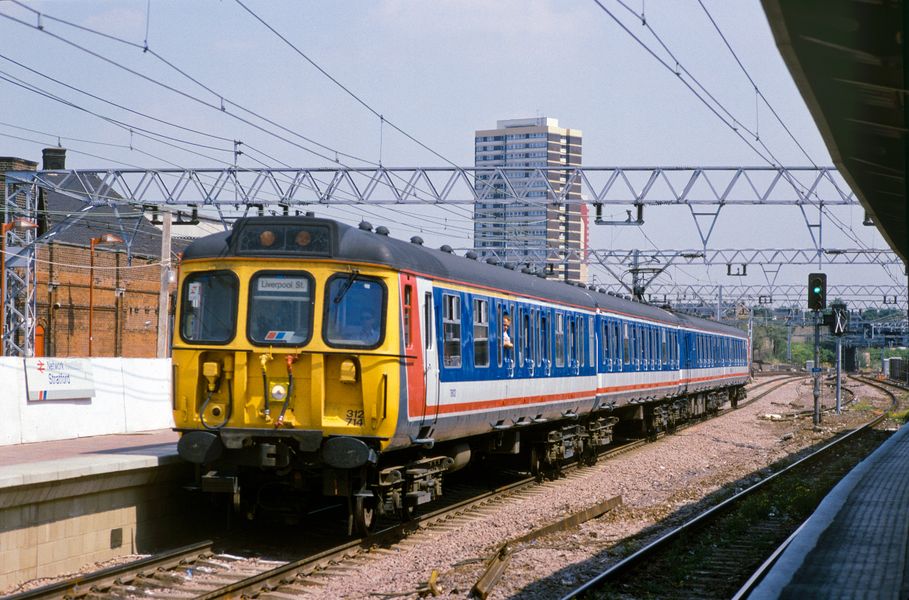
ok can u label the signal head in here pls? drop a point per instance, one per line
(817, 291)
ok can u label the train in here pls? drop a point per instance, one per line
(314, 359)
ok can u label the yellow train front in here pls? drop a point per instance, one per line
(287, 370)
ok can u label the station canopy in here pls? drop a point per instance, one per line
(849, 62)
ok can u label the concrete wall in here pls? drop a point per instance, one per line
(58, 527)
(130, 395)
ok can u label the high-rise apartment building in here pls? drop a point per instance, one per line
(530, 228)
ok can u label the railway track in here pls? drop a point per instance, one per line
(127, 574)
(714, 554)
(199, 572)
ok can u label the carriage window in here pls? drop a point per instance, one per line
(480, 333)
(626, 344)
(544, 338)
(354, 311)
(209, 307)
(664, 348)
(604, 333)
(560, 340)
(427, 319)
(571, 338)
(538, 337)
(526, 338)
(451, 330)
(408, 318)
(591, 341)
(614, 341)
(655, 346)
(280, 308)
(501, 352)
(519, 338)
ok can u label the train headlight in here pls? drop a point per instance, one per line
(278, 392)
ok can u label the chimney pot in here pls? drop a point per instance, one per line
(54, 159)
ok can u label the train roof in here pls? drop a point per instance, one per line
(365, 245)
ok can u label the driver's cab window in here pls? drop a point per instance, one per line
(280, 308)
(355, 310)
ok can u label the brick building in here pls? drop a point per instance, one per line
(127, 276)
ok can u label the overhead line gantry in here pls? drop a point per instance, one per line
(234, 192)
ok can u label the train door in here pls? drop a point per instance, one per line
(431, 355)
(507, 355)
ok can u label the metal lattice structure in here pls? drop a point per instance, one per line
(19, 314)
(691, 186)
(730, 256)
(859, 296)
(236, 192)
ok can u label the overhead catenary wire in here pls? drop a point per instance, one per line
(446, 226)
(774, 162)
(845, 228)
(769, 157)
(185, 74)
(222, 99)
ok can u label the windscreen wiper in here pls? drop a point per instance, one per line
(347, 285)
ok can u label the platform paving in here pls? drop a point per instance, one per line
(39, 462)
(855, 544)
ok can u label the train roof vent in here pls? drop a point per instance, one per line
(446, 248)
(492, 260)
(416, 240)
(602, 290)
(541, 274)
(527, 270)
(509, 266)
(382, 230)
(471, 255)
(365, 225)
(310, 214)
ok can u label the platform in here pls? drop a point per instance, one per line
(67, 504)
(855, 543)
(62, 459)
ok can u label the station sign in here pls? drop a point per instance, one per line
(59, 379)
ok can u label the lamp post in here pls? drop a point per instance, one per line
(19, 224)
(107, 238)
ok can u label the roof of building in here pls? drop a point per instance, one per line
(77, 223)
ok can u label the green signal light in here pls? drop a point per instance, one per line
(817, 290)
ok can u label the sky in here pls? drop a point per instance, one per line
(438, 71)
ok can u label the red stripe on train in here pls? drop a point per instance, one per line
(585, 394)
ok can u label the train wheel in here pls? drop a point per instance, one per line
(364, 515)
